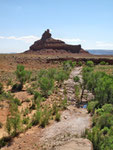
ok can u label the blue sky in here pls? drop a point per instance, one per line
(85, 22)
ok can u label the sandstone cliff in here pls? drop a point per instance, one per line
(48, 43)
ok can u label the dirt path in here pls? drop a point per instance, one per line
(63, 135)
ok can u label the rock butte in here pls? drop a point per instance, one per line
(48, 43)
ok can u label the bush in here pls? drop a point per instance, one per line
(76, 79)
(58, 117)
(13, 124)
(30, 91)
(25, 120)
(91, 106)
(90, 63)
(46, 85)
(1, 88)
(36, 118)
(61, 76)
(102, 63)
(22, 75)
(54, 109)
(16, 101)
(64, 103)
(79, 63)
(45, 117)
(101, 134)
(1, 125)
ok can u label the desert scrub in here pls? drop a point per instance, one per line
(26, 112)
(101, 134)
(92, 105)
(64, 103)
(37, 117)
(1, 125)
(46, 113)
(58, 117)
(30, 90)
(77, 91)
(76, 79)
(9, 82)
(62, 75)
(104, 63)
(79, 63)
(46, 85)
(22, 76)
(90, 63)
(1, 88)
(26, 120)
(54, 108)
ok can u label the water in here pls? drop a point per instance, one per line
(84, 106)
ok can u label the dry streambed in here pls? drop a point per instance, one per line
(64, 135)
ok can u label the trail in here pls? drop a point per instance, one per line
(64, 135)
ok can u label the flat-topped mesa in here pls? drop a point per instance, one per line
(47, 42)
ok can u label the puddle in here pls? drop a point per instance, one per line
(84, 106)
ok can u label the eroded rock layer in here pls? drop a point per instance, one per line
(48, 43)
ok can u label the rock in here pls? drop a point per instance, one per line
(47, 43)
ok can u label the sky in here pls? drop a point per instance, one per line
(85, 22)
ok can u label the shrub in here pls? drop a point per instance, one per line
(42, 73)
(51, 73)
(25, 120)
(26, 112)
(30, 91)
(58, 117)
(79, 63)
(1, 88)
(1, 125)
(77, 91)
(54, 109)
(9, 82)
(64, 103)
(22, 75)
(92, 105)
(46, 85)
(13, 124)
(76, 79)
(90, 63)
(102, 63)
(37, 117)
(61, 75)
(16, 101)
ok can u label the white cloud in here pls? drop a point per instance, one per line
(31, 38)
(74, 41)
(104, 44)
(27, 39)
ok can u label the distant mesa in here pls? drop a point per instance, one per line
(47, 43)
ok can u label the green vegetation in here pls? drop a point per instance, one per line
(102, 132)
(1, 88)
(90, 63)
(101, 85)
(76, 79)
(103, 63)
(79, 63)
(57, 117)
(46, 85)
(22, 75)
